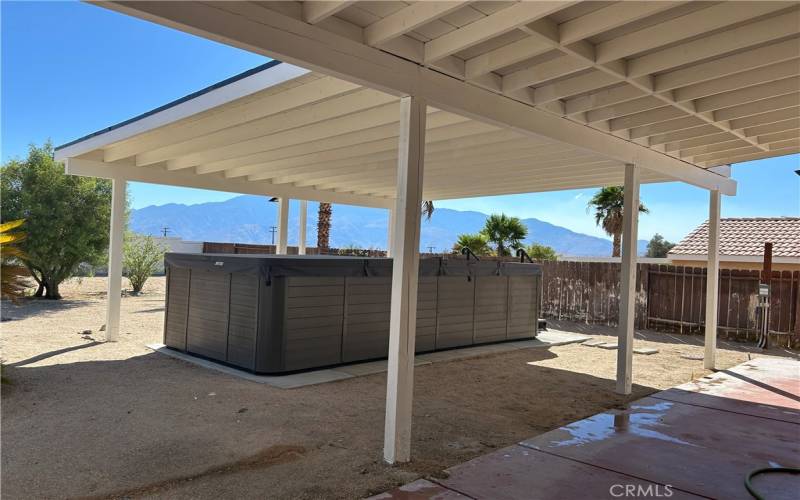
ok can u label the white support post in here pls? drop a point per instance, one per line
(403, 319)
(283, 225)
(301, 235)
(712, 280)
(627, 299)
(115, 249)
(390, 237)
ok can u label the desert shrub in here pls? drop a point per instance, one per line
(142, 257)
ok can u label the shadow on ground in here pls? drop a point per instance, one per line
(667, 338)
(46, 355)
(30, 307)
(156, 426)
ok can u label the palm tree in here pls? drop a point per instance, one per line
(505, 232)
(477, 243)
(427, 209)
(608, 204)
(324, 218)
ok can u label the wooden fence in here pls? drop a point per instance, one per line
(669, 297)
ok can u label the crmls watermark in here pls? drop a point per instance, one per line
(640, 490)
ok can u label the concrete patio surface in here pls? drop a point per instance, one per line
(83, 418)
(698, 439)
(545, 339)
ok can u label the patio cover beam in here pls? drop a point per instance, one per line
(155, 175)
(283, 37)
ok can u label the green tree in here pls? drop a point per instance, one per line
(141, 259)
(477, 243)
(658, 246)
(608, 207)
(66, 216)
(505, 233)
(541, 252)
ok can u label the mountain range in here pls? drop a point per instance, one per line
(249, 219)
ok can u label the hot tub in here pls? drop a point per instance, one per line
(278, 314)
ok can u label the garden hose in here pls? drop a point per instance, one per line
(752, 474)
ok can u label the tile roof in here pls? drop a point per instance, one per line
(746, 236)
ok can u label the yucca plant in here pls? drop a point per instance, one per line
(12, 273)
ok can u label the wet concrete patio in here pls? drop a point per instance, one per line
(699, 439)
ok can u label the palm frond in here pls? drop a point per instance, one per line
(8, 226)
(13, 282)
(427, 209)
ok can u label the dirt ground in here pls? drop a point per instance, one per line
(84, 418)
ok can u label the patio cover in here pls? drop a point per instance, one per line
(494, 98)
(285, 131)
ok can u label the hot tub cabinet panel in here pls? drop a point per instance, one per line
(522, 318)
(271, 314)
(491, 309)
(243, 320)
(455, 312)
(312, 326)
(177, 311)
(427, 300)
(208, 314)
(366, 318)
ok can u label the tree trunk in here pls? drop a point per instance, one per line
(324, 217)
(52, 290)
(616, 250)
(35, 273)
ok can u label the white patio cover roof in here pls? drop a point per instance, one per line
(283, 130)
(524, 97)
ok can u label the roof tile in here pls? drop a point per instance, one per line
(746, 236)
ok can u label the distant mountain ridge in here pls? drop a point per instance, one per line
(248, 219)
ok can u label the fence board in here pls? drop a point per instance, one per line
(669, 297)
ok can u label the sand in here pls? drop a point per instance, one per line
(84, 418)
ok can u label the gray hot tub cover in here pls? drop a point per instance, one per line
(270, 266)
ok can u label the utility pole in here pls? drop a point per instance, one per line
(164, 231)
(273, 229)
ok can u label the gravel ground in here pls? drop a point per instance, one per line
(84, 418)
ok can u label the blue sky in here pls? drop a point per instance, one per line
(69, 69)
